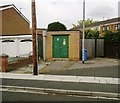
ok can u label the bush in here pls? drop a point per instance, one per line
(91, 34)
(112, 36)
(56, 26)
(116, 37)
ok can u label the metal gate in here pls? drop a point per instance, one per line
(60, 47)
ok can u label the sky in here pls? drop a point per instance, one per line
(67, 12)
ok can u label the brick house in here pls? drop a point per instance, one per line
(12, 21)
(15, 38)
(110, 24)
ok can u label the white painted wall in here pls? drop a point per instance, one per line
(16, 48)
(25, 48)
(9, 49)
(0, 46)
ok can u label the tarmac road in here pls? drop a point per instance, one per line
(95, 87)
(16, 96)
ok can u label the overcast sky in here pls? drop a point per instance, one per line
(66, 11)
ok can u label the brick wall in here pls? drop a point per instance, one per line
(4, 63)
(20, 63)
(13, 23)
(5, 66)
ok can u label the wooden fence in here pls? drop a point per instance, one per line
(95, 47)
(112, 50)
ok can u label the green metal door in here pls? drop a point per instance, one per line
(60, 47)
(56, 47)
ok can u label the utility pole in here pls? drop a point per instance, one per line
(83, 39)
(35, 64)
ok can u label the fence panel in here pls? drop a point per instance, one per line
(100, 47)
(112, 50)
(90, 46)
(93, 46)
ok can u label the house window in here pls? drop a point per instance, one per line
(107, 27)
(104, 28)
(116, 27)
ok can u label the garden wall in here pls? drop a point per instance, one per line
(6, 66)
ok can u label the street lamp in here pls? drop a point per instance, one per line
(35, 63)
(83, 37)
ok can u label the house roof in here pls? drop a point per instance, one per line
(113, 20)
(5, 7)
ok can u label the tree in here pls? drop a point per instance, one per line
(91, 33)
(56, 26)
(87, 23)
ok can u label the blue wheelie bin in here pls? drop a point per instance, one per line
(85, 54)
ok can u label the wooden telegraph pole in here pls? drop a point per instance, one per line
(35, 67)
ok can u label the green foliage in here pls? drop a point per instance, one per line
(112, 36)
(56, 26)
(108, 36)
(87, 23)
(91, 33)
(116, 37)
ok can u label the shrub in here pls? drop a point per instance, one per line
(91, 34)
(112, 36)
(56, 26)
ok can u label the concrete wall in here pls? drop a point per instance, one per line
(13, 23)
(74, 44)
(16, 48)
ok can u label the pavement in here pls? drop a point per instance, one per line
(62, 78)
(96, 78)
(58, 66)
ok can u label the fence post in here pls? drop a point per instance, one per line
(95, 48)
(4, 63)
(117, 50)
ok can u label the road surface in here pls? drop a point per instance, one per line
(16, 96)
